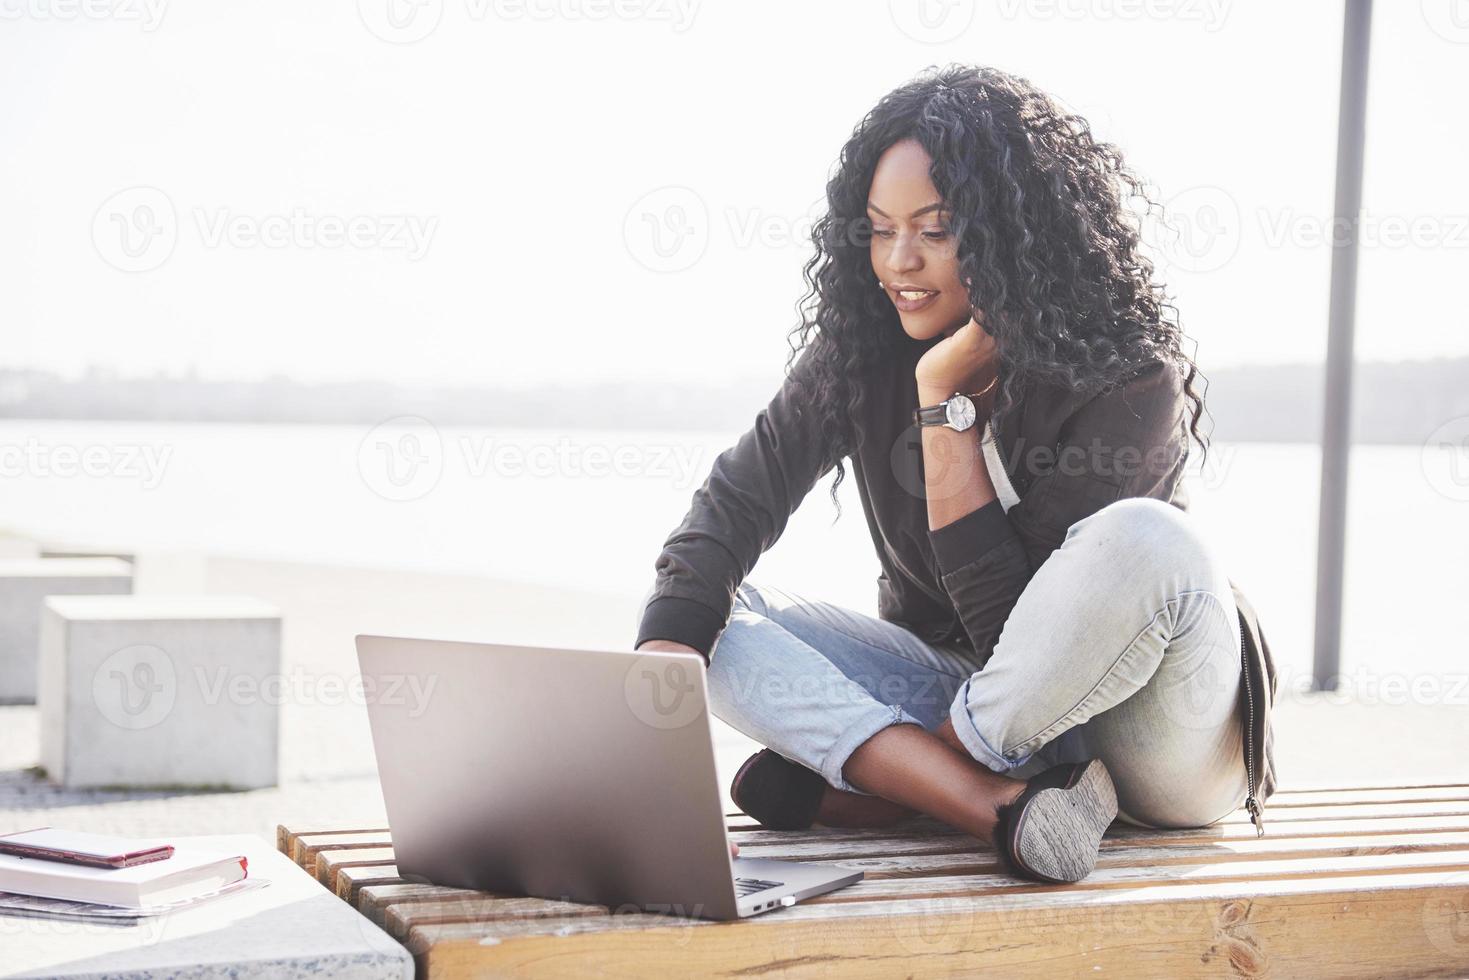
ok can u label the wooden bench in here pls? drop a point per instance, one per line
(1368, 882)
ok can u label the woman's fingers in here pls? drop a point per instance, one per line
(734, 849)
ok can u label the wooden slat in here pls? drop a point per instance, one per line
(1363, 881)
(1340, 927)
(351, 881)
(424, 908)
(373, 900)
(331, 860)
(305, 847)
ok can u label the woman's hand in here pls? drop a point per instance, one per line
(966, 360)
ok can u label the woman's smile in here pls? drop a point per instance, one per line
(911, 300)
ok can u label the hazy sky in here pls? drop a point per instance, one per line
(546, 191)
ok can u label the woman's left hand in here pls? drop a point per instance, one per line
(966, 360)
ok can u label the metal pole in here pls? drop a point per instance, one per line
(1336, 429)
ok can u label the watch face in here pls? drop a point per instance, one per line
(961, 412)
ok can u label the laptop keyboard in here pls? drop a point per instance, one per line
(749, 886)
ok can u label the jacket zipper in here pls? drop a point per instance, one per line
(1251, 804)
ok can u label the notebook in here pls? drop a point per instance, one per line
(187, 874)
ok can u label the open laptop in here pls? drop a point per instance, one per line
(579, 775)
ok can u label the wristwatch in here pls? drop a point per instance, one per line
(957, 412)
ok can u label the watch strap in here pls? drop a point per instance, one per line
(931, 414)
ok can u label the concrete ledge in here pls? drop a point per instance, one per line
(160, 691)
(24, 583)
(291, 928)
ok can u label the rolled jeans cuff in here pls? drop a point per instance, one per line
(871, 722)
(969, 735)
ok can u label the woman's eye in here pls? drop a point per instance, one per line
(933, 236)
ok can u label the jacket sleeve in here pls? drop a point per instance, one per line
(738, 514)
(1128, 442)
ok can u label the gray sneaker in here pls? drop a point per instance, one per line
(1053, 829)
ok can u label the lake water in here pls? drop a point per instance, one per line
(589, 510)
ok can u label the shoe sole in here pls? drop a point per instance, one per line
(1060, 830)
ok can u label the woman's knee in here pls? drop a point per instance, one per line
(1136, 526)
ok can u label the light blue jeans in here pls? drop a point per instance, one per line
(1123, 646)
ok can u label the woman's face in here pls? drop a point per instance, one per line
(912, 247)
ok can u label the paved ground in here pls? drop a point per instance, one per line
(1376, 737)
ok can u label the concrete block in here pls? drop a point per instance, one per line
(23, 584)
(16, 546)
(152, 691)
(54, 550)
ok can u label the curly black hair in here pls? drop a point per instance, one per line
(1046, 248)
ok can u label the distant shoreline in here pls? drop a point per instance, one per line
(1394, 403)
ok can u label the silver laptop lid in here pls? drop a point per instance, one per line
(581, 775)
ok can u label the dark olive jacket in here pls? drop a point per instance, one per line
(1066, 456)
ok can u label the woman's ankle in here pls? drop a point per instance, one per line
(840, 808)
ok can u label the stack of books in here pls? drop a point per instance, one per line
(76, 875)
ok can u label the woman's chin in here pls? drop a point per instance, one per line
(921, 330)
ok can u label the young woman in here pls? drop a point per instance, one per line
(1056, 645)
